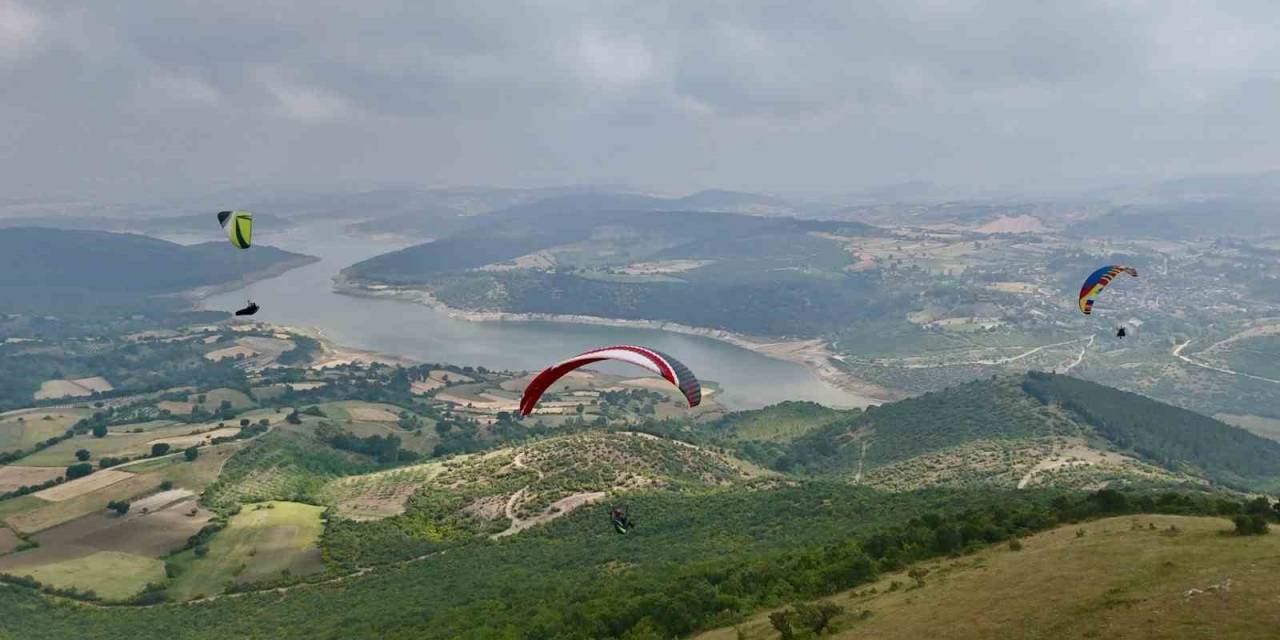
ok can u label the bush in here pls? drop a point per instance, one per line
(79, 470)
(159, 449)
(1015, 544)
(1251, 525)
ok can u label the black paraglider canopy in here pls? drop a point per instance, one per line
(249, 310)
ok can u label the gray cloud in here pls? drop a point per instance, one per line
(136, 98)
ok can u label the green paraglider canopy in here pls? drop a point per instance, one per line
(239, 227)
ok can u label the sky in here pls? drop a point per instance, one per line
(131, 99)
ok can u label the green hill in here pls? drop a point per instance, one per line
(1013, 431)
(51, 270)
(776, 276)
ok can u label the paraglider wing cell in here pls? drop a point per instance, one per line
(666, 366)
(239, 227)
(1097, 281)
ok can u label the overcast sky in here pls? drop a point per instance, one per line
(128, 99)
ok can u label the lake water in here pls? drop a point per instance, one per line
(305, 297)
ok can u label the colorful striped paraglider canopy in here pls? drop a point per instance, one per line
(1097, 281)
(669, 368)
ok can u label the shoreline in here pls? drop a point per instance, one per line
(333, 353)
(198, 295)
(813, 354)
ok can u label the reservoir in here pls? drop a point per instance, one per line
(305, 297)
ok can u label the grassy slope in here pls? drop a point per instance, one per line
(111, 574)
(258, 544)
(1115, 582)
(34, 428)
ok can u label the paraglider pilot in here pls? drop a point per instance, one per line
(249, 310)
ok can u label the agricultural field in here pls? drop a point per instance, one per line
(155, 526)
(33, 514)
(25, 428)
(111, 575)
(68, 501)
(81, 486)
(126, 441)
(14, 477)
(8, 540)
(78, 388)
(265, 541)
(211, 400)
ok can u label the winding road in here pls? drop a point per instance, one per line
(1177, 353)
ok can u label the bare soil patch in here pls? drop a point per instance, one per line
(151, 534)
(182, 442)
(8, 540)
(230, 352)
(12, 478)
(81, 486)
(176, 408)
(425, 386)
(372, 414)
(72, 388)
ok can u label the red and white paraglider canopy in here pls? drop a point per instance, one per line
(660, 363)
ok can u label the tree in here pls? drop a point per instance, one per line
(83, 455)
(159, 449)
(293, 418)
(119, 506)
(79, 470)
(191, 453)
(1251, 525)
(244, 422)
(816, 617)
(1259, 505)
(781, 621)
(99, 430)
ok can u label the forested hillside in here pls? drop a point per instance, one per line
(751, 274)
(52, 269)
(1011, 418)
